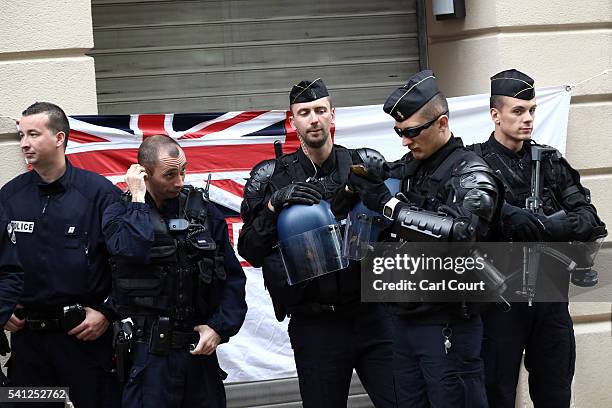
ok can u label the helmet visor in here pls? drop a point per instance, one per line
(313, 253)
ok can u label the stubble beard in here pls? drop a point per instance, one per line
(317, 143)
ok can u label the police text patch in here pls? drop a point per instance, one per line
(23, 226)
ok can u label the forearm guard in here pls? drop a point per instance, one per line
(416, 224)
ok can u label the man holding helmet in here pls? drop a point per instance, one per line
(331, 331)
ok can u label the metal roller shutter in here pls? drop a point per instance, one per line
(214, 55)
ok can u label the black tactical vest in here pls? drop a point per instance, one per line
(516, 175)
(185, 274)
(292, 171)
(331, 289)
(427, 188)
(429, 185)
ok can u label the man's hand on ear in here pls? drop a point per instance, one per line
(135, 179)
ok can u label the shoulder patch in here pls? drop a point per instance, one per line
(11, 233)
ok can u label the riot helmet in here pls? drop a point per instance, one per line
(310, 242)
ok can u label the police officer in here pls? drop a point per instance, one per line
(177, 277)
(542, 330)
(331, 331)
(436, 345)
(59, 335)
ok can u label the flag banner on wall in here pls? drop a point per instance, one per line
(227, 145)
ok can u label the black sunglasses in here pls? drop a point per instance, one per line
(415, 131)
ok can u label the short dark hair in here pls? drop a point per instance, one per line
(435, 107)
(58, 121)
(148, 152)
(497, 102)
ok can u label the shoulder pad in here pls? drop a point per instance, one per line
(483, 180)
(479, 188)
(260, 176)
(373, 160)
(473, 172)
(469, 164)
(255, 187)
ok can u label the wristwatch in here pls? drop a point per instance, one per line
(390, 207)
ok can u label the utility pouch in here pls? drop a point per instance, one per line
(159, 341)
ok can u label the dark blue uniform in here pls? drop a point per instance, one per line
(176, 378)
(331, 331)
(544, 331)
(61, 248)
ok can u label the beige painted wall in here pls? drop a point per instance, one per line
(556, 42)
(42, 58)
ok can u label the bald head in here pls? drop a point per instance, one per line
(154, 147)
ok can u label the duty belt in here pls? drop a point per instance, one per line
(44, 324)
(53, 320)
(182, 340)
(178, 340)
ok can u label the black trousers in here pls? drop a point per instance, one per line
(55, 359)
(176, 380)
(544, 331)
(429, 376)
(328, 346)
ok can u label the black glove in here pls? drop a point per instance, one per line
(520, 224)
(343, 202)
(296, 193)
(372, 190)
(559, 229)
